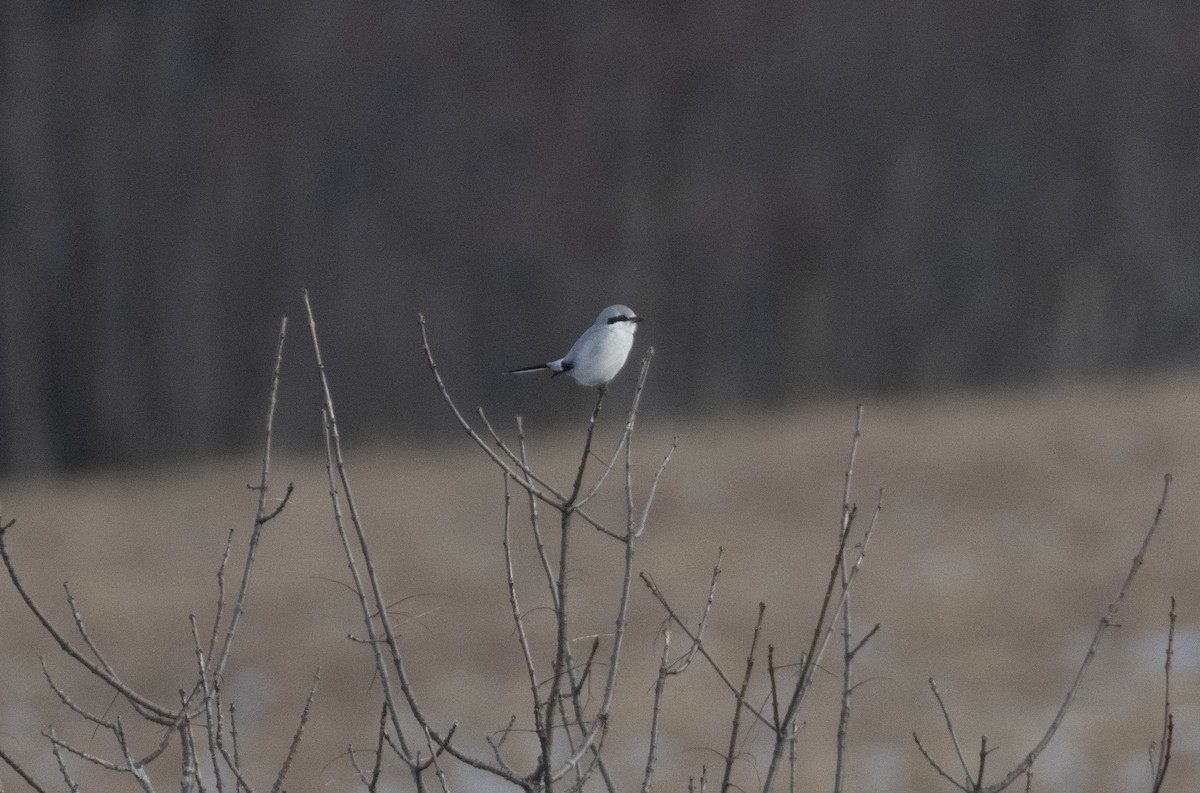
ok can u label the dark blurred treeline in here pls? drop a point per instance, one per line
(806, 199)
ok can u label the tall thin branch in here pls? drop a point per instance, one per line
(1163, 760)
(731, 752)
(287, 761)
(519, 620)
(261, 516)
(660, 683)
(396, 658)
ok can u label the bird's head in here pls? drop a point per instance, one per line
(619, 315)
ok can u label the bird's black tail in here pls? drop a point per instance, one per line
(524, 369)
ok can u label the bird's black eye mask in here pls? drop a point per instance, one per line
(623, 318)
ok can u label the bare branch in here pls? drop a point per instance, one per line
(433, 758)
(641, 528)
(211, 720)
(519, 621)
(938, 768)
(826, 617)
(260, 518)
(561, 651)
(66, 700)
(664, 671)
(11, 763)
(233, 740)
(62, 766)
(334, 455)
(82, 754)
(220, 610)
(553, 498)
(287, 761)
(334, 461)
(962, 760)
(136, 771)
(983, 753)
(82, 629)
(520, 461)
(189, 766)
(1023, 768)
(243, 783)
(377, 768)
(154, 711)
(741, 699)
(1159, 765)
(848, 652)
(627, 433)
(1103, 626)
(847, 506)
(698, 644)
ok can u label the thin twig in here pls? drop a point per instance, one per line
(233, 739)
(627, 573)
(627, 433)
(530, 476)
(936, 767)
(698, 644)
(83, 754)
(983, 753)
(239, 603)
(66, 700)
(62, 766)
(641, 528)
(1159, 766)
(367, 610)
(79, 626)
(546, 736)
(518, 619)
(377, 769)
(216, 627)
(334, 452)
(730, 755)
(287, 761)
(962, 760)
(664, 671)
(153, 711)
(847, 505)
(847, 636)
(15, 766)
(243, 783)
(826, 617)
(551, 498)
(210, 718)
(189, 768)
(136, 771)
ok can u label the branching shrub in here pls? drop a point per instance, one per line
(559, 743)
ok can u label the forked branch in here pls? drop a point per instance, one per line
(1022, 769)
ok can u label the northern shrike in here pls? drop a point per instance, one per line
(599, 353)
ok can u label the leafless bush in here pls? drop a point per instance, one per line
(202, 721)
(560, 742)
(972, 782)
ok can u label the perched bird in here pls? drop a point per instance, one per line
(599, 353)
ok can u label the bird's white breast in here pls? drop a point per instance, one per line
(600, 353)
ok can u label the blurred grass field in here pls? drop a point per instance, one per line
(1009, 522)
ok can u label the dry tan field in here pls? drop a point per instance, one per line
(1009, 523)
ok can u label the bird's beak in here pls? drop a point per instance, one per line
(636, 319)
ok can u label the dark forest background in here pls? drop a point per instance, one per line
(807, 200)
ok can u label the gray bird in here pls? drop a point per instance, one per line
(600, 352)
